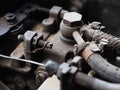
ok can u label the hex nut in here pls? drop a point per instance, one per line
(10, 17)
(72, 19)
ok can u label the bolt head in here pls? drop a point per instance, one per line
(72, 19)
(10, 17)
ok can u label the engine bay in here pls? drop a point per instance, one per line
(59, 45)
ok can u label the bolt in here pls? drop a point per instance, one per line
(72, 19)
(10, 17)
(20, 37)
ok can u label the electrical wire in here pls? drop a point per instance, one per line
(22, 60)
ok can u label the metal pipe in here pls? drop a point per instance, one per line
(79, 40)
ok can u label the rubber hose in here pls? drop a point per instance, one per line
(114, 42)
(94, 83)
(104, 68)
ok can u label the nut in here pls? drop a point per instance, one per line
(10, 17)
(72, 19)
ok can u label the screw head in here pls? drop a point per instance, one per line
(72, 19)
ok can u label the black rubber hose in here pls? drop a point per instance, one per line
(94, 83)
(83, 79)
(104, 68)
(114, 42)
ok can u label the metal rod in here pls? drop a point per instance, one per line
(22, 60)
